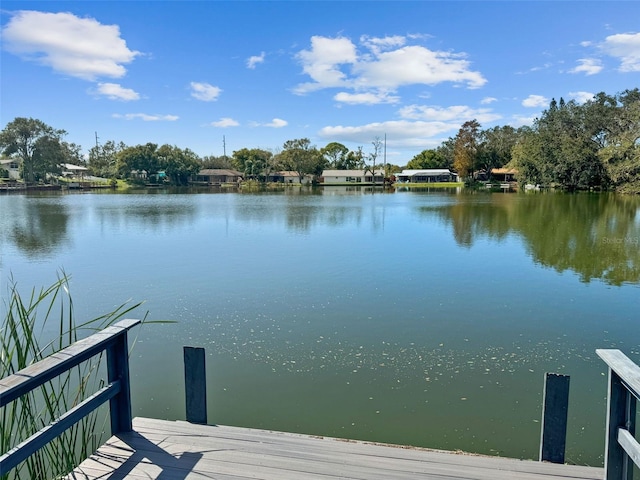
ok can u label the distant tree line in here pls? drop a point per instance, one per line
(594, 145)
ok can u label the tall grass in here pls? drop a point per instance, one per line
(23, 342)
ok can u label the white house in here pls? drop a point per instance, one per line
(12, 166)
(71, 170)
(352, 177)
(429, 175)
(288, 177)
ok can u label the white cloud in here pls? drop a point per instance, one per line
(538, 68)
(376, 45)
(322, 61)
(588, 66)
(146, 117)
(399, 132)
(115, 91)
(535, 101)
(254, 60)
(412, 65)
(454, 113)
(521, 120)
(225, 122)
(204, 91)
(277, 123)
(75, 46)
(488, 100)
(365, 98)
(385, 65)
(625, 47)
(581, 97)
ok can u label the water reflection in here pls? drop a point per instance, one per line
(595, 235)
(153, 213)
(302, 213)
(36, 226)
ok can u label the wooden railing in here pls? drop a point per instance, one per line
(621, 448)
(113, 339)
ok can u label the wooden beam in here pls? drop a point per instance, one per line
(195, 385)
(554, 418)
(35, 442)
(118, 371)
(33, 376)
(624, 383)
(628, 371)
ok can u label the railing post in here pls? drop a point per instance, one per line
(621, 413)
(195, 385)
(118, 369)
(553, 437)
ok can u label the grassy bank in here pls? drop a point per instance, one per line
(430, 185)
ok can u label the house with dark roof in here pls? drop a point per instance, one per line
(216, 176)
(504, 174)
(288, 177)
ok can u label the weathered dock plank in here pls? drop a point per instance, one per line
(183, 451)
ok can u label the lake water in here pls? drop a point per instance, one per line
(414, 317)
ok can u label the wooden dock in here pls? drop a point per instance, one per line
(167, 450)
(145, 448)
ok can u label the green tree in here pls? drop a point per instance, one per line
(496, 145)
(619, 137)
(254, 163)
(335, 155)
(300, 156)
(445, 151)
(48, 156)
(139, 158)
(465, 149)
(354, 160)
(526, 157)
(30, 139)
(426, 159)
(179, 165)
(211, 161)
(567, 152)
(103, 159)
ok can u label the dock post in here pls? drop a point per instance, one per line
(195, 385)
(118, 370)
(553, 437)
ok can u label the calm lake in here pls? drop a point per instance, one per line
(413, 317)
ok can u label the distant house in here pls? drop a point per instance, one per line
(71, 170)
(216, 176)
(12, 167)
(352, 177)
(288, 177)
(504, 174)
(430, 175)
(138, 174)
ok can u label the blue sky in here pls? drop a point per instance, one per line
(189, 73)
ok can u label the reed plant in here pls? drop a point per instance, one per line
(27, 336)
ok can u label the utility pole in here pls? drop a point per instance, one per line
(385, 158)
(97, 145)
(224, 149)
